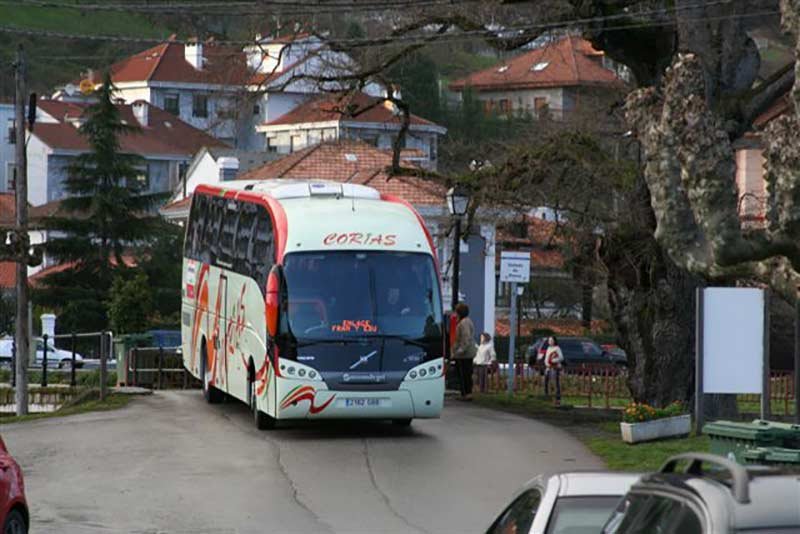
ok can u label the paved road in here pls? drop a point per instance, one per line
(171, 463)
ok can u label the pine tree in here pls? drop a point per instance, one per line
(105, 217)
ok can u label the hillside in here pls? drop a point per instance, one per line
(54, 61)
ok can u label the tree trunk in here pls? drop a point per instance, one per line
(653, 309)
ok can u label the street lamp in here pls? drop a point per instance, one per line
(457, 204)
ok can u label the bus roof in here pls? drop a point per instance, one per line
(323, 215)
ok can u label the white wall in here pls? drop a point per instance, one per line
(205, 172)
(37, 171)
(524, 99)
(7, 149)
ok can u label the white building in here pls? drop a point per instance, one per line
(558, 77)
(8, 145)
(225, 91)
(165, 143)
(374, 120)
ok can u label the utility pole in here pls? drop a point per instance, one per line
(21, 238)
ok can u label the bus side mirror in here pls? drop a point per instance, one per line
(273, 301)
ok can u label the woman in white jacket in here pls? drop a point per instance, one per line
(484, 359)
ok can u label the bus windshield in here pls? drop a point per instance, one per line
(352, 294)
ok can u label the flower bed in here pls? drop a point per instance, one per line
(641, 422)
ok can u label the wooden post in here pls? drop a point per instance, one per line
(698, 363)
(766, 396)
(103, 366)
(21, 334)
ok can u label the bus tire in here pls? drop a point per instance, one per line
(262, 420)
(210, 393)
(401, 422)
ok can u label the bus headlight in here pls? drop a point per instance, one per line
(425, 371)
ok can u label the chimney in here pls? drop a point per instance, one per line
(141, 112)
(228, 168)
(193, 53)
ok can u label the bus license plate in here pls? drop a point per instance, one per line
(365, 402)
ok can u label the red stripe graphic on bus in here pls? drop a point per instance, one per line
(301, 393)
(200, 307)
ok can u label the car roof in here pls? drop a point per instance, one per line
(578, 484)
(769, 493)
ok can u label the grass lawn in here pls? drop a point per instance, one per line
(75, 21)
(598, 429)
(89, 402)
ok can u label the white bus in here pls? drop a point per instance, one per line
(312, 300)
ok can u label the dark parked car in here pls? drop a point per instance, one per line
(577, 351)
(14, 517)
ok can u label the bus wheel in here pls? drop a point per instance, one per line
(211, 394)
(262, 420)
(402, 422)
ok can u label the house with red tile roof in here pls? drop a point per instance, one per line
(225, 90)
(375, 120)
(166, 143)
(560, 76)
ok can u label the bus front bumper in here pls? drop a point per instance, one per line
(312, 400)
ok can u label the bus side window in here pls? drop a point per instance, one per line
(262, 248)
(242, 263)
(230, 216)
(211, 234)
(195, 245)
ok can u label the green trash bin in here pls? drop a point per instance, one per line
(789, 431)
(122, 346)
(775, 456)
(731, 439)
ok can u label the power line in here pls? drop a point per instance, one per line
(248, 8)
(459, 36)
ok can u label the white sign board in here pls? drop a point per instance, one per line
(515, 267)
(733, 340)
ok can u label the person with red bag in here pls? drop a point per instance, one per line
(553, 360)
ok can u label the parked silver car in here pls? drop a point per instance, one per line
(566, 503)
(55, 357)
(725, 499)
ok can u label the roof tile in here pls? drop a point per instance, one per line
(353, 162)
(164, 133)
(570, 61)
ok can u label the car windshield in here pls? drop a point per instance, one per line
(581, 515)
(347, 294)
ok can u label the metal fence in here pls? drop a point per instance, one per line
(67, 357)
(155, 368)
(598, 385)
(605, 386)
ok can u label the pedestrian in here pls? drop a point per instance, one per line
(464, 350)
(484, 359)
(553, 360)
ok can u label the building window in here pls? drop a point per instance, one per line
(256, 109)
(172, 104)
(540, 104)
(505, 105)
(271, 146)
(11, 176)
(143, 178)
(12, 131)
(488, 106)
(200, 106)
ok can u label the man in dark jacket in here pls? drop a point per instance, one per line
(464, 350)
